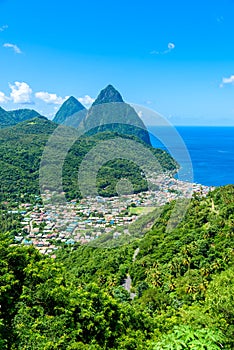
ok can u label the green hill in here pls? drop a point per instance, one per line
(20, 115)
(5, 119)
(183, 284)
(21, 148)
(9, 118)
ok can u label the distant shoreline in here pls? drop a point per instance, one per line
(211, 149)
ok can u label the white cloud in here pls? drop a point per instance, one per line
(86, 100)
(229, 80)
(20, 92)
(13, 46)
(3, 97)
(2, 28)
(50, 98)
(170, 47)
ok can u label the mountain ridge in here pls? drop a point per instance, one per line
(13, 117)
(109, 112)
(22, 147)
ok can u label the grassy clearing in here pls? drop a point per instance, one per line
(140, 210)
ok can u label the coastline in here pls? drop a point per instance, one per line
(211, 149)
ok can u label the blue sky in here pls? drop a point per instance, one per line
(176, 57)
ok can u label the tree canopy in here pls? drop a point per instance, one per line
(182, 282)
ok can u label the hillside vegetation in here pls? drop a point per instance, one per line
(10, 118)
(21, 149)
(183, 283)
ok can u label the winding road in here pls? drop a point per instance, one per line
(128, 281)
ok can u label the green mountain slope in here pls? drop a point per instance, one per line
(5, 119)
(10, 118)
(70, 113)
(21, 149)
(183, 279)
(183, 282)
(110, 113)
(20, 115)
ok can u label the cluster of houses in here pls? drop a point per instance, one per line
(50, 226)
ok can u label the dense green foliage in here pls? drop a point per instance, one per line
(20, 115)
(111, 172)
(5, 118)
(9, 118)
(183, 282)
(22, 146)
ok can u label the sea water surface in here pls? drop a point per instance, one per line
(211, 150)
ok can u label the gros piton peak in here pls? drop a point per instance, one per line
(109, 112)
(108, 95)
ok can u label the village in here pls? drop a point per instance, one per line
(48, 227)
